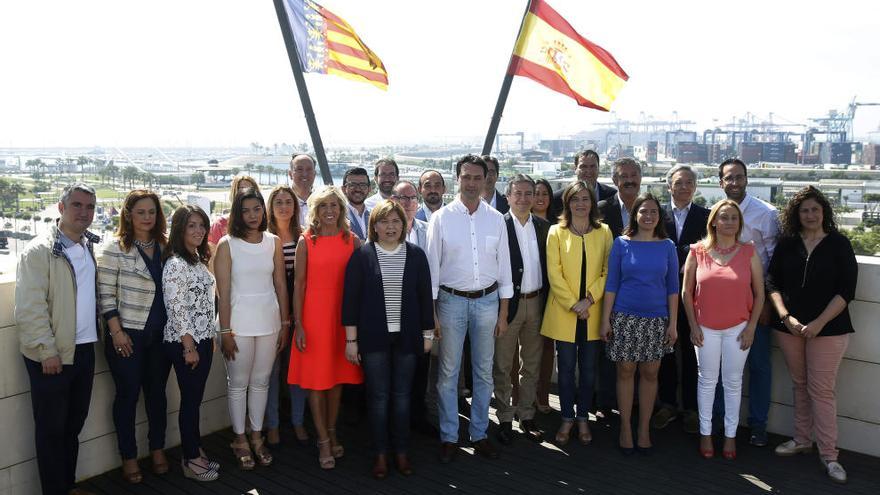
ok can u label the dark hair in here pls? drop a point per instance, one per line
(125, 232)
(355, 171)
(571, 190)
(585, 153)
(428, 171)
(472, 160)
(519, 179)
(790, 217)
(380, 211)
(633, 227)
(732, 161)
(491, 159)
(176, 244)
(294, 226)
(236, 226)
(545, 183)
(385, 161)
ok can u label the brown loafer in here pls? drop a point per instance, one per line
(448, 451)
(403, 465)
(380, 467)
(485, 448)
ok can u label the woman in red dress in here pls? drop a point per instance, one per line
(317, 363)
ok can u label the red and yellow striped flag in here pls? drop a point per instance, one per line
(552, 53)
(326, 44)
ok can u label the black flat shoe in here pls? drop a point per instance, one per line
(626, 451)
(645, 451)
(504, 435)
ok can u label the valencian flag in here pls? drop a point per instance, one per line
(552, 53)
(326, 44)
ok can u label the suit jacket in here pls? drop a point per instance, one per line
(363, 300)
(421, 230)
(610, 210)
(693, 230)
(355, 226)
(501, 203)
(555, 209)
(564, 253)
(542, 227)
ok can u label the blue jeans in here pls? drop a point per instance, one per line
(388, 377)
(476, 318)
(147, 367)
(760, 374)
(192, 390)
(568, 356)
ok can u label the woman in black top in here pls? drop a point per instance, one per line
(811, 280)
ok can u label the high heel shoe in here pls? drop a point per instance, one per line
(338, 450)
(261, 452)
(707, 453)
(206, 474)
(326, 462)
(131, 476)
(380, 467)
(728, 453)
(160, 462)
(564, 433)
(584, 435)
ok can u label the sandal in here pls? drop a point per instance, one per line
(564, 432)
(264, 457)
(201, 473)
(131, 476)
(243, 455)
(326, 462)
(338, 450)
(584, 435)
(160, 462)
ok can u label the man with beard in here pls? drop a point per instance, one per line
(490, 194)
(761, 228)
(586, 167)
(472, 285)
(302, 177)
(386, 175)
(432, 187)
(355, 186)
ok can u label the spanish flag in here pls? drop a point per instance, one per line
(552, 53)
(326, 44)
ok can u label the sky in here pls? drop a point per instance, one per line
(172, 73)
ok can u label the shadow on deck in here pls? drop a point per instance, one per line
(524, 467)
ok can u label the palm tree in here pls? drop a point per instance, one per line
(16, 189)
(82, 162)
(112, 171)
(260, 170)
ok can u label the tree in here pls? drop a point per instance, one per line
(82, 162)
(198, 179)
(112, 171)
(260, 170)
(865, 241)
(130, 174)
(16, 189)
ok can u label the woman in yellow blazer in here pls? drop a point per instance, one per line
(577, 266)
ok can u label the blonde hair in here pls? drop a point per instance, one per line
(236, 181)
(382, 210)
(315, 199)
(711, 238)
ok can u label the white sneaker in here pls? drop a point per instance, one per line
(793, 448)
(835, 471)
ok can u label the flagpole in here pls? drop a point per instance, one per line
(293, 55)
(505, 89)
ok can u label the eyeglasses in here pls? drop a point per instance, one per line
(357, 185)
(404, 198)
(733, 179)
(387, 175)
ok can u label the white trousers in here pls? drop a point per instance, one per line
(720, 351)
(247, 384)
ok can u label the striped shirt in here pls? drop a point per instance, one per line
(391, 264)
(289, 251)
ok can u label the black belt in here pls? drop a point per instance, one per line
(530, 295)
(471, 294)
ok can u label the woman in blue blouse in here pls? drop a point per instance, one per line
(640, 313)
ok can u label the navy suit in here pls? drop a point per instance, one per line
(692, 231)
(356, 226)
(501, 203)
(610, 210)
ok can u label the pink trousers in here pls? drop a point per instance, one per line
(813, 365)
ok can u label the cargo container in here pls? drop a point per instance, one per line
(750, 152)
(871, 154)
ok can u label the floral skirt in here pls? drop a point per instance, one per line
(637, 339)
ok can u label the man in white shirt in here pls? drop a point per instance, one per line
(355, 186)
(386, 174)
(56, 321)
(527, 241)
(404, 194)
(302, 178)
(490, 194)
(761, 228)
(471, 280)
(432, 187)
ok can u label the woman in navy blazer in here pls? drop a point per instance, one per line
(387, 311)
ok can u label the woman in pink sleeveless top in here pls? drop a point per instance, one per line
(723, 294)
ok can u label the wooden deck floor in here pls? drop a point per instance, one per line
(524, 467)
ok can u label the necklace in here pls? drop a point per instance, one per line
(145, 244)
(577, 231)
(725, 251)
